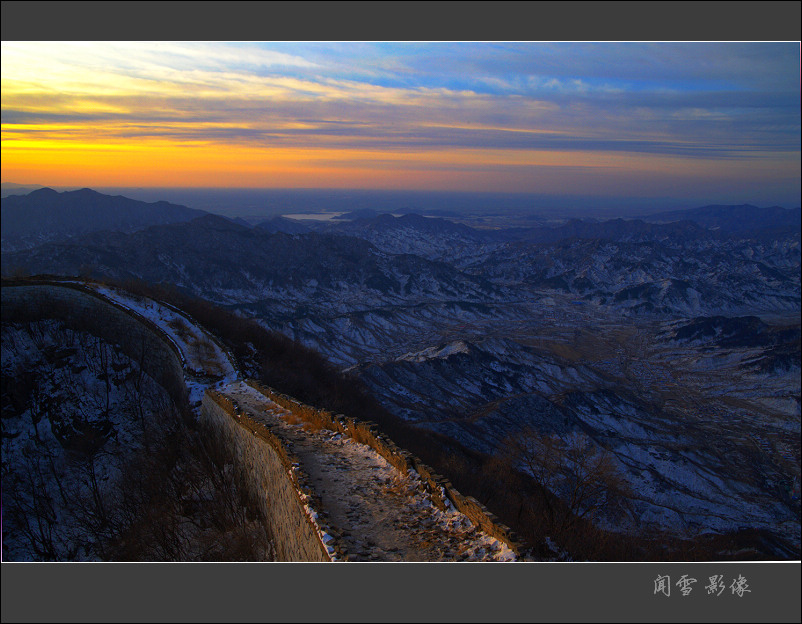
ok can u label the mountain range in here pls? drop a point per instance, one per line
(742, 218)
(672, 340)
(45, 215)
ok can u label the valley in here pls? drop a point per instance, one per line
(697, 430)
(671, 345)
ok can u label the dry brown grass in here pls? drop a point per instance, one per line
(310, 420)
(291, 418)
(565, 351)
(399, 486)
(313, 427)
(180, 328)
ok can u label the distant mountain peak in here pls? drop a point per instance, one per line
(45, 215)
(45, 190)
(283, 224)
(362, 213)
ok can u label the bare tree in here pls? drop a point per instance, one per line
(28, 507)
(577, 478)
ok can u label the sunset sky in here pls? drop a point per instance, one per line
(716, 122)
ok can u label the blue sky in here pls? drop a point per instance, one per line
(715, 121)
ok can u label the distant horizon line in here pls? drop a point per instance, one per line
(558, 201)
(318, 188)
(278, 188)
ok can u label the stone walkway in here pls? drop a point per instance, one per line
(379, 513)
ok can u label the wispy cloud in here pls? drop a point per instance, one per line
(511, 102)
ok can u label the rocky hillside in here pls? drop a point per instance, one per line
(635, 334)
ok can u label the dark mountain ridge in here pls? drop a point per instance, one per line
(413, 230)
(45, 215)
(429, 225)
(212, 255)
(283, 224)
(616, 230)
(737, 219)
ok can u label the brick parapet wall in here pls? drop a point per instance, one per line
(89, 287)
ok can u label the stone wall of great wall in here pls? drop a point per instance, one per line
(437, 487)
(273, 480)
(84, 310)
(295, 517)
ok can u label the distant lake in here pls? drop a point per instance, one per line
(313, 216)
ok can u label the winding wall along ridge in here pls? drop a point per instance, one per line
(83, 309)
(271, 474)
(267, 470)
(440, 489)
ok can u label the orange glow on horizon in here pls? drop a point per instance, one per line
(203, 164)
(69, 157)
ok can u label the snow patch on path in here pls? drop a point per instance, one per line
(202, 354)
(378, 513)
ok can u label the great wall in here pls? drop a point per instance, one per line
(331, 487)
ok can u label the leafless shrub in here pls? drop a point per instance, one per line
(576, 478)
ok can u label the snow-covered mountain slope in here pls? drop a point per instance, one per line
(606, 335)
(77, 413)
